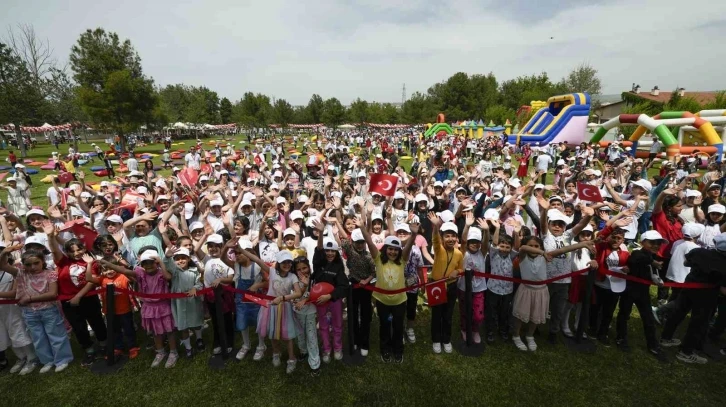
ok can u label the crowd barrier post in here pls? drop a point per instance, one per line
(467, 347)
(219, 361)
(112, 363)
(351, 356)
(579, 343)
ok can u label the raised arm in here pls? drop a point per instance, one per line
(256, 260)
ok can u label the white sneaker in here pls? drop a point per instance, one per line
(364, 352)
(448, 348)
(259, 354)
(669, 343)
(518, 343)
(437, 347)
(326, 357)
(158, 359)
(692, 358)
(217, 350)
(338, 355)
(531, 344)
(411, 335)
(46, 368)
(276, 360)
(477, 337)
(29, 367)
(242, 352)
(61, 367)
(291, 364)
(17, 366)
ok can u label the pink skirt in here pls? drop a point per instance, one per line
(159, 325)
(531, 304)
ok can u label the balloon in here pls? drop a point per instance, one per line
(320, 289)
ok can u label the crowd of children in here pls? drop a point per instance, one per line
(312, 237)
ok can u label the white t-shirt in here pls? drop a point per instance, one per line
(561, 264)
(279, 285)
(268, 250)
(476, 262)
(216, 223)
(53, 196)
(676, 270)
(133, 164)
(632, 227)
(543, 162)
(655, 147)
(193, 161)
(214, 269)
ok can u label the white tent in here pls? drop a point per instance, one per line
(180, 125)
(46, 126)
(346, 126)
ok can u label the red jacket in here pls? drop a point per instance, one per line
(603, 250)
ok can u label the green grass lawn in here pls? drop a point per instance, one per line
(503, 375)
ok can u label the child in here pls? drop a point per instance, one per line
(328, 267)
(477, 245)
(166, 159)
(217, 272)
(642, 263)
(362, 270)
(188, 312)
(36, 291)
(448, 263)
(498, 301)
(247, 272)
(531, 302)
(390, 276)
(13, 331)
(276, 320)
(581, 259)
(305, 312)
(106, 273)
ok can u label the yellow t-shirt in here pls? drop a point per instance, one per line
(390, 276)
(445, 262)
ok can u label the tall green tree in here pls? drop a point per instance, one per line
(582, 79)
(253, 110)
(225, 110)
(315, 109)
(333, 113)
(20, 99)
(113, 88)
(419, 108)
(359, 112)
(282, 112)
(524, 89)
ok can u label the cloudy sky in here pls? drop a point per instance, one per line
(370, 48)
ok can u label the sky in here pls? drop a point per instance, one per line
(369, 48)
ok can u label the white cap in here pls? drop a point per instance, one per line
(246, 203)
(160, 183)
(175, 169)
(296, 214)
(302, 198)
(35, 212)
(356, 235)
(114, 219)
(196, 225)
(336, 194)
(86, 194)
(560, 162)
(538, 186)
(188, 210)
(474, 234)
(692, 193)
(402, 226)
(215, 238)
(491, 214)
(392, 241)
(105, 184)
(245, 244)
(248, 196)
(160, 197)
(515, 182)
(142, 189)
(587, 228)
(446, 216)
(203, 178)
(643, 183)
(438, 184)
(692, 230)
(148, 255)
(330, 244)
(283, 256)
(421, 198)
(653, 235)
(556, 215)
(275, 186)
(182, 251)
(556, 198)
(277, 174)
(449, 227)
(216, 202)
(289, 231)
(280, 199)
(362, 174)
(399, 195)
(34, 240)
(717, 208)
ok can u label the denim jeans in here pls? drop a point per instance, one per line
(49, 335)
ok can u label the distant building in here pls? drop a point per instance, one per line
(658, 96)
(605, 107)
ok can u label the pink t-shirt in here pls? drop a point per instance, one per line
(33, 285)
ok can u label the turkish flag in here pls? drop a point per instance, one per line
(383, 184)
(436, 293)
(257, 300)
(586, 192)
(85, 235)
(188, 177)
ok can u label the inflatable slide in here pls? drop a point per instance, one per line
(563, 120)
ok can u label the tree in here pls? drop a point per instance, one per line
(253, 110)
(282, 112)
(499, 114)
(20, 99)
(524, 89)
(225, 110)
(35, 54)
(390, 114)
(358, 112)
(582, 79)
(419, 108)
(333, 113)
(315, 109)
(113, 89)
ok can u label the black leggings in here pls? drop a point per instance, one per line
(362, 313)
(601, 312)
(411, 303)
(88, 312)
(228, 320)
